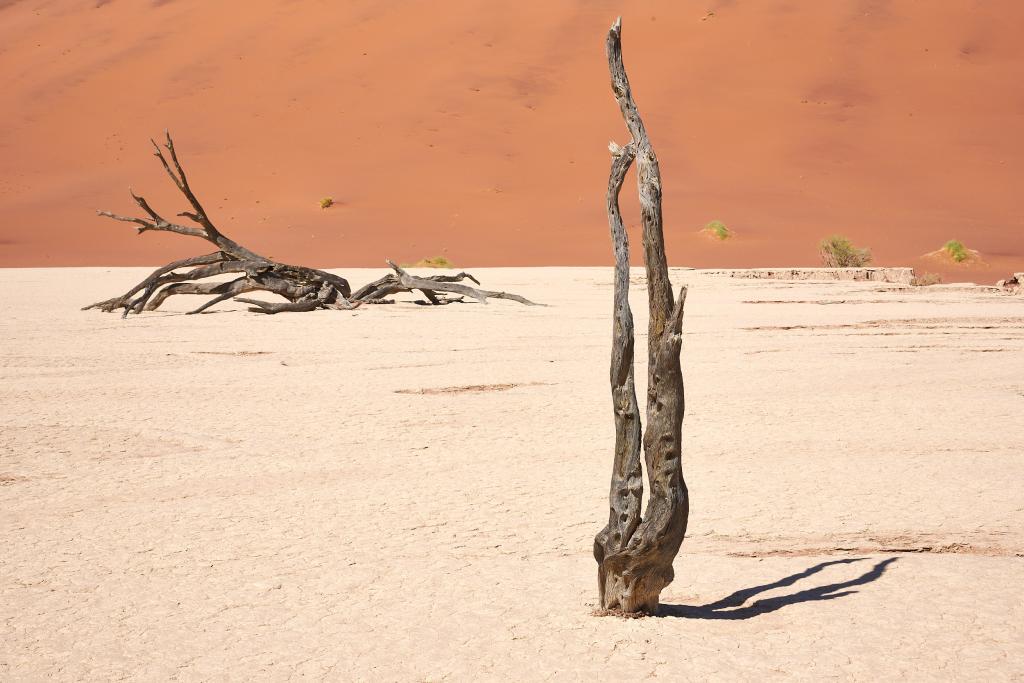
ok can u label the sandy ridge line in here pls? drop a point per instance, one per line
(949, 548)
(913, 323)
(469, 388)
(983, 544)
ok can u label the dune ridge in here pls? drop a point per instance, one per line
(477, 131)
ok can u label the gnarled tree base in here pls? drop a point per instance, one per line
(632, 591)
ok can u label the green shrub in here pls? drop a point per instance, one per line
(838, 252)
(718, 229)
(326, 202)
(956, 251)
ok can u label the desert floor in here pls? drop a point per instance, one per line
(408, 493)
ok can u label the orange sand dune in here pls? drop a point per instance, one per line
(477, 130)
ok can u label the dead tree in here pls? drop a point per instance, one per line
(304, 289)
(634, 554)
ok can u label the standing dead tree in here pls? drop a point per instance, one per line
(304, 289)
(634, 554)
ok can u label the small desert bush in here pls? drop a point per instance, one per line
(926, 279)
(431, 262)
(956, 251)
(838, 252)
(718, 229)
(326, 202)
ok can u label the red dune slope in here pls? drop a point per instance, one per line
(477, 130)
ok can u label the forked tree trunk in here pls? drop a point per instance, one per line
(634, 554)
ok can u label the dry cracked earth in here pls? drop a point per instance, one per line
(410, 493)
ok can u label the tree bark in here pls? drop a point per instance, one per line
(304, 289)
(635, 554)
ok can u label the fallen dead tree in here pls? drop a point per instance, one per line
(304, 289)
(634, 554)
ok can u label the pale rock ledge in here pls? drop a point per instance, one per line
(894, 275)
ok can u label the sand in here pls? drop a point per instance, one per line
(478, 130)
(234, 496)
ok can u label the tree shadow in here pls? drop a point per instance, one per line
(731, 606)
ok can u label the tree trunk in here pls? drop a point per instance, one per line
(635, 554)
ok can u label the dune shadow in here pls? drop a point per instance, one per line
(733, 606)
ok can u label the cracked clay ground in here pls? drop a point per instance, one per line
(407, 493)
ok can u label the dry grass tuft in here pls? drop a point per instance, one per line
(717, 230)
(838, 252)
(431, 262)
